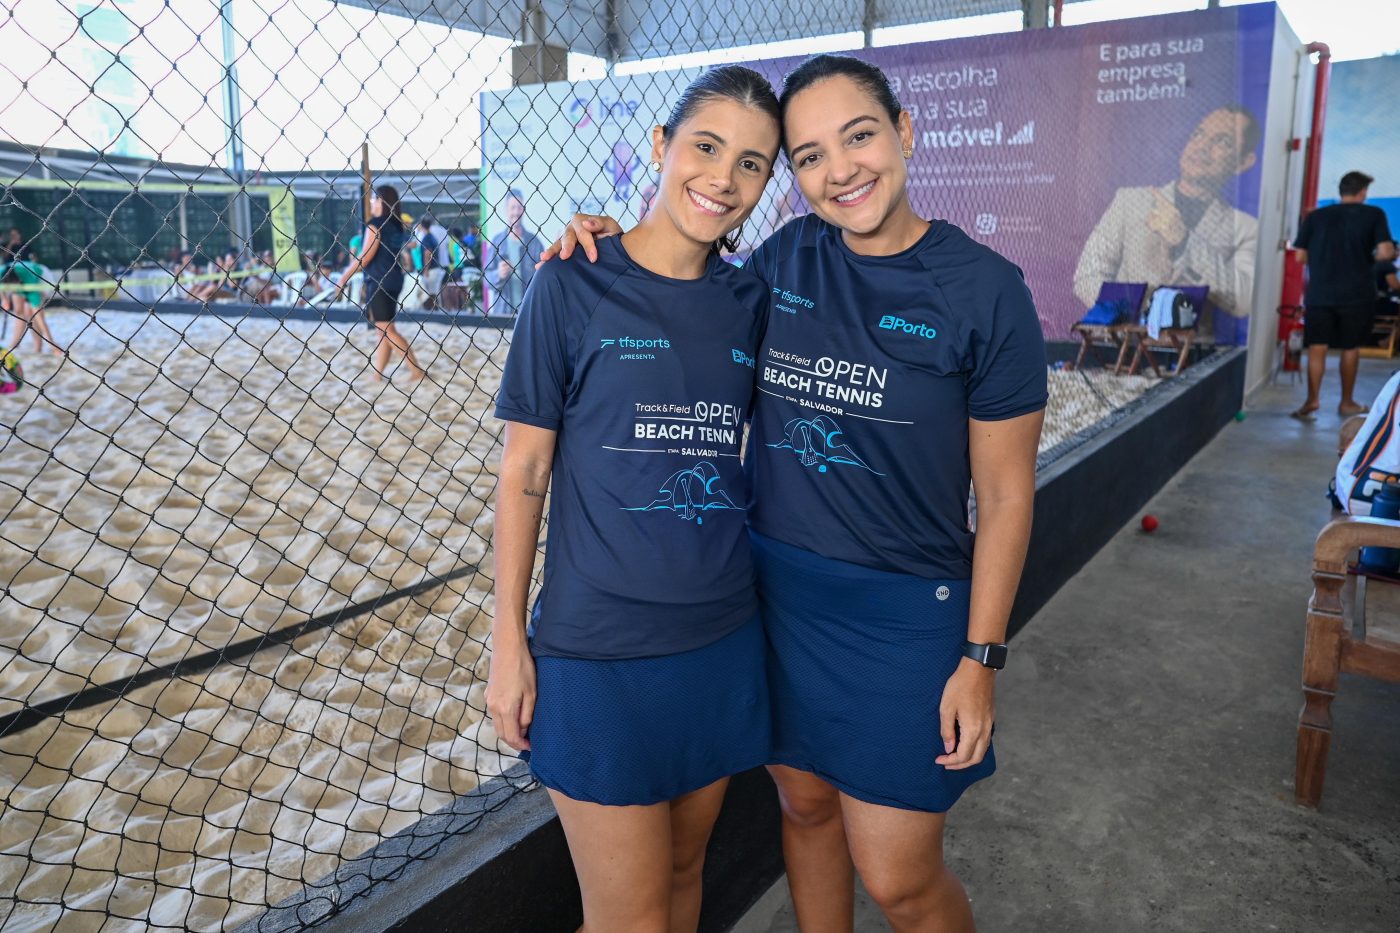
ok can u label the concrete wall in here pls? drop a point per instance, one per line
(1289, 117)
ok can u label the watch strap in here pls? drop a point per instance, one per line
(992, 655)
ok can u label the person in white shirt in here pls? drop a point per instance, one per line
(1185, 232)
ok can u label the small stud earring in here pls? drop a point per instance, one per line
(909, 153)
(655, 166)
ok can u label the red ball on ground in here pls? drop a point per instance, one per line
(1149, 523)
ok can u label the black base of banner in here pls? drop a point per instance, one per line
(511, 870)
(1085, 496)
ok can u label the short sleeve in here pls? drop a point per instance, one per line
(1382, 229)
(760, 261)
(1304, 233)
(1008, 377)
(540, 363)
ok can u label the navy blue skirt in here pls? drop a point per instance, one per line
(646, 730)
(857, 662)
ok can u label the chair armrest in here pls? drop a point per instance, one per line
(1344, 535)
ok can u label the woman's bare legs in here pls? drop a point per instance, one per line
(899, 854)
(820, 875)
(692, 818)
(390, 340)
(42, 333)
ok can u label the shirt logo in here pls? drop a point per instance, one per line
(896, 323)
(785, 300)
(635, 348)
(942, 593)
(739, 356)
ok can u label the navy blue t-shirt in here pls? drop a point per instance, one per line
(384, 266)
(648, 382)
(868, 373)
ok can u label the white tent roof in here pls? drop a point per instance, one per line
(623, 30)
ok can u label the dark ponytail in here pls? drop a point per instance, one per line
(389, 195)
(733, 82)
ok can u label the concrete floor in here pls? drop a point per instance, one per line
(1146, 724)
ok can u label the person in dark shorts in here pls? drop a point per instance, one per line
(384, 238)
(1340, 245)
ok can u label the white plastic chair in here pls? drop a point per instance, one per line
(350, 298)
(291, 285)
(414, 294)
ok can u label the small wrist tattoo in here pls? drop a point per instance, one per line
(534, 492)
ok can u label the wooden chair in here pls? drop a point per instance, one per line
(1178, 340)
(1385, 331)
(1350, 628)
(1094, 337)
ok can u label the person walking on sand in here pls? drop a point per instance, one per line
(384, 238)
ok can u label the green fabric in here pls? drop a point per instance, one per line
(29, 273)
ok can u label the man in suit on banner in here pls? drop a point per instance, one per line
(1185, 232)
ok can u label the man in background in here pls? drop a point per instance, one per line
(426, 247)
(441, 235)
(1340, 244)
(511, 263)
(1185, 232)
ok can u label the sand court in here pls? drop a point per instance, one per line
(179, 484)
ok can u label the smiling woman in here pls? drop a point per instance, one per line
(883, 631)
(648, 610)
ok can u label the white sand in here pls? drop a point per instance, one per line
(180, 483)
(1081, 398)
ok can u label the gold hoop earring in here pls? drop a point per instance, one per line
(909, 153)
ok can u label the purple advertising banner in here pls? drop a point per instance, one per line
(1125, 151)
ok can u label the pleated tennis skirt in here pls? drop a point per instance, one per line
(857, 662)
(645, 730)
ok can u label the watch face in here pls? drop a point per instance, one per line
(996, 656)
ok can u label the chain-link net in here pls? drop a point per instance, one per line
(244, 583)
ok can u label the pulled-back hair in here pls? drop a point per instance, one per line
(727, 82)
(390, 196)
(820, 67)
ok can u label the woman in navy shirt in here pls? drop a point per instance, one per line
(384, 238)
(638, 685)
(902, 361)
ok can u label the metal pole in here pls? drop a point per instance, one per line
(1313, 165)
(184, 224)
(364, 174)
(233, 115)
(872, 16)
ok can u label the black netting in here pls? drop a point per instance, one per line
(244, 584)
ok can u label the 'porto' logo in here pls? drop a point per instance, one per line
(897, 323)
(739, 356)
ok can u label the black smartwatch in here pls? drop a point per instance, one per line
(993, 656)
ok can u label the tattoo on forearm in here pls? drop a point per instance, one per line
(534, 492)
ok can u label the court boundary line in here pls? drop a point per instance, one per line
(31, 715)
